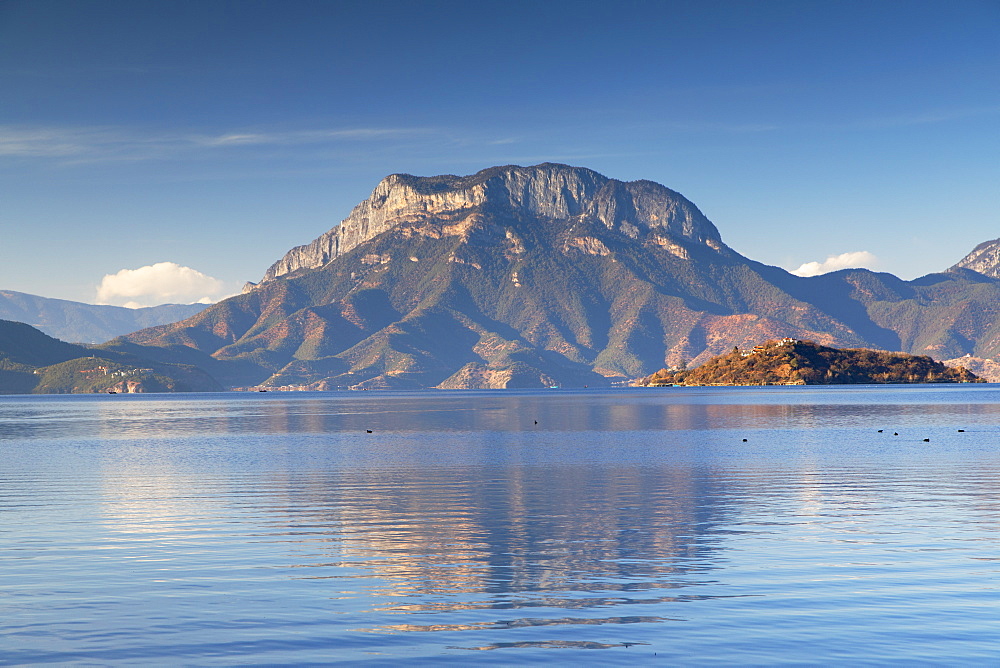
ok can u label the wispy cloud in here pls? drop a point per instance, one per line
(903, 120)
(49, 142)
(852, 260)
(70, 145)
(307, 137)
(729, 128)
(930, 116)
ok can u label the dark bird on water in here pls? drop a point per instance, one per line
(368, 431)
(961, 430)
(927, 440)
(880, 431)
(744, 440)
(895, 433)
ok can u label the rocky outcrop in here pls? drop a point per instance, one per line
(984, 258)
(987, 369)
(126, 387)
(638, 210)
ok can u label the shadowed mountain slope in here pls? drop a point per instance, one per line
(546, 275)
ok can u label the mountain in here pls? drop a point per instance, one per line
(984, 258)
(549, 191)
(791, 362)
(87, 323)
(31, 361)
(549, 275)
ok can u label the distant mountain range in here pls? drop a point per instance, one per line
(549, 275)
(87, 323)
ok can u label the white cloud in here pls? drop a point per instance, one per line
(834, 262)
(160, 283)
(305, 137)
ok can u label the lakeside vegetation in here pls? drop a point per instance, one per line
(791, 362)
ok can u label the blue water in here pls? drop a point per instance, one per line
(627, 527)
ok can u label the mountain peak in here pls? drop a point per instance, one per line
(984, 258)
(544, 191)
(506, 173)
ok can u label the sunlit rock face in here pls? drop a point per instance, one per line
(984, 258)
(987, 369)
(638, 210)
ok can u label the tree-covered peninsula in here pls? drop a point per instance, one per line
(791, 362)
(33, 362)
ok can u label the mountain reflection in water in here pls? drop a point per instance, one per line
(511, 537)
(520, 526)
(508, 411)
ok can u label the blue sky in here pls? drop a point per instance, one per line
(216, 135)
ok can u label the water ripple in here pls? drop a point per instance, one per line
(248, 530)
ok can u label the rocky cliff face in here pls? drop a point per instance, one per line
(987, 369)
(639, 210)
(984, 258)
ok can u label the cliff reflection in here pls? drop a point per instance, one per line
(577, 538)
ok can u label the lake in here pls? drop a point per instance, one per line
(672, 526)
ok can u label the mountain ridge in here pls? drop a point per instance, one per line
(506, 278)
(984, 259)
(87, 323)
(549, 189)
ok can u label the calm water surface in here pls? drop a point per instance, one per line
(629, 527)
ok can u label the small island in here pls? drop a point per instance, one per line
(793, 362)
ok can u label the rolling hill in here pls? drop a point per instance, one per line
(33, 362)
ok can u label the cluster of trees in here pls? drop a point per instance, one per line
(807, 363)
